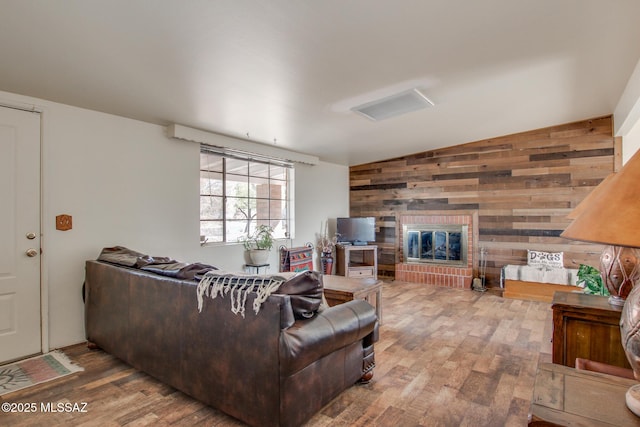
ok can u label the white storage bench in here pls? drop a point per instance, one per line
(537, 283)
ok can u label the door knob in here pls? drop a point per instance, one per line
(31, 252)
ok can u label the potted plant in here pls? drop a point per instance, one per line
(259, 243)
(590, 279)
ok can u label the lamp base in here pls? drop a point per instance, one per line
(620, 270)
(616, 300)
(633, 399)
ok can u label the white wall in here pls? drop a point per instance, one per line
(325, 191)
(627, 111)
(631, 142)
(126, 183)
(626, 116)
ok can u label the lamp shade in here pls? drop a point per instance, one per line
(612, 216)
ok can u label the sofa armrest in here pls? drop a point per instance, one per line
(333, 328)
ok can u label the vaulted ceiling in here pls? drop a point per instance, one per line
(288, 72)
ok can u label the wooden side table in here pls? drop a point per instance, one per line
(357, 261)
(586, 326)
(569, 397)
(339, 289)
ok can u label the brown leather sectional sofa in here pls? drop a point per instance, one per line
(266, 369)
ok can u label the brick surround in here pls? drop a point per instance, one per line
(439, 275)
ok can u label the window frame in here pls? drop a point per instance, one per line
(283, 221)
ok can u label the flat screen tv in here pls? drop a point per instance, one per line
(356, 230)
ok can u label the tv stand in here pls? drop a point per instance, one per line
(357, 261)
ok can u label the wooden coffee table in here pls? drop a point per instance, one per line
(340, 289)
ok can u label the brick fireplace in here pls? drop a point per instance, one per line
(437, 270)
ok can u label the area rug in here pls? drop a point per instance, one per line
(36, 370)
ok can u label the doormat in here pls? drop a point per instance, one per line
(36, 370)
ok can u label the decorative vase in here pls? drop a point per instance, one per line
(259, 256)
(629, 324)
(327, 263)
(620, 268)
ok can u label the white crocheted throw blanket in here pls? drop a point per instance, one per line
(215, 283)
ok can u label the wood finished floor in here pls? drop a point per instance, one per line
(446, 357)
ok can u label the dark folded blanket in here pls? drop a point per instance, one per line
(164, 266)
(304, 288)
(120, 255)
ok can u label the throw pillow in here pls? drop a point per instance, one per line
(545, 259)
(305, 290)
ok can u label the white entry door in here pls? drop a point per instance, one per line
(20, 326)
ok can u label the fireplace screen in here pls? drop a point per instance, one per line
(436, 244)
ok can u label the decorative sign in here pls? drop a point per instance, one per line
(63, 222)
(545, 259)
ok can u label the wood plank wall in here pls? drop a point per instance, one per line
(521, 185)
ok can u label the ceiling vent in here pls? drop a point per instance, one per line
(394, 105)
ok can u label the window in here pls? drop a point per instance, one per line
(237, 194)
